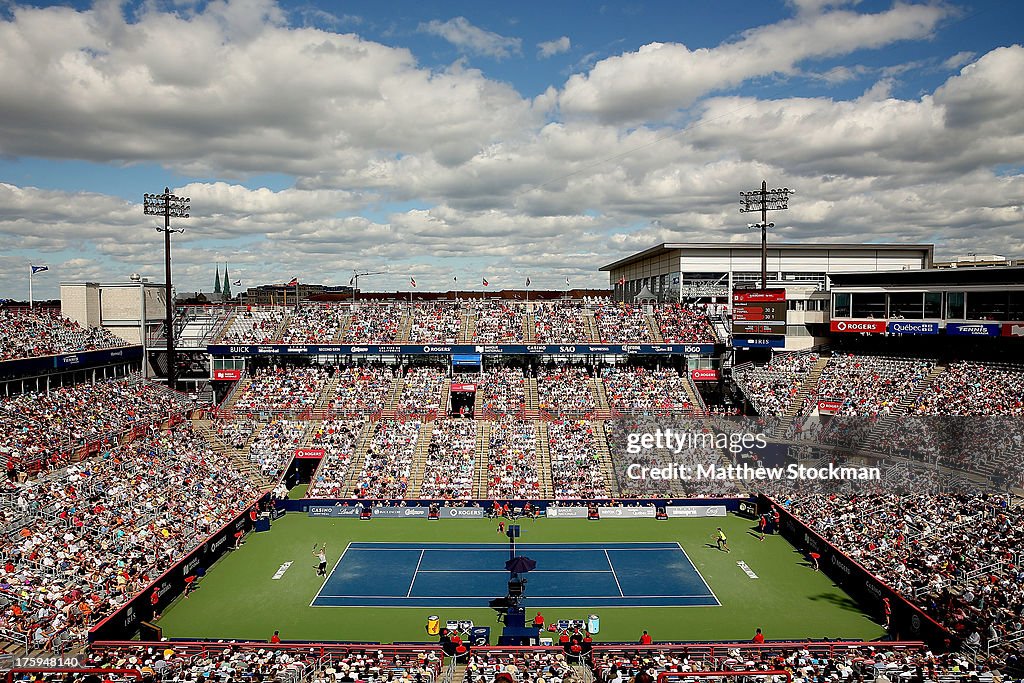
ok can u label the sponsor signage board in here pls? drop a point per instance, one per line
(827, 406)
(747, 296)
(334, 510)
(460, 387)
(911, 327)
(566, 512)
(973, 329)
(406, 512)
(452, 349)
(861, 326)
(462, 513)
(772, 341)
(692, 511)
(625, 512)
(1013, 330)
(704, 375)
(309, 452)
(757, 312)
(227, 374)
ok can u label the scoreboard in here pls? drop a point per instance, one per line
(759, 313)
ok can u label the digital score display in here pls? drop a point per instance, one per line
(759, 312)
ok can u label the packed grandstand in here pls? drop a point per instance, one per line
(113, 479)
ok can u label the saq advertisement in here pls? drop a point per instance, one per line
(908, 621)
(124, 623)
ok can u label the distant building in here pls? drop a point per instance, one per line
(280, 294)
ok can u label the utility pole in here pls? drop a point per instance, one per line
(764, 200)
(168, 205)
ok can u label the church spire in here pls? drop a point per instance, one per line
(227, 283)
(216, 282)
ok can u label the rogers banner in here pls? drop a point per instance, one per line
(704, 375)
(864, 326)
(827, 406)
(309, 452)
(1013, 330)
(754, 296)
(463, 387)
(227, 374)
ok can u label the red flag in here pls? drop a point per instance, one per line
(293, 283)
(412, 281)
(485, 282)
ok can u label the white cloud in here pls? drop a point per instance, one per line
(550, 48)
(959, 59)
(473, 39)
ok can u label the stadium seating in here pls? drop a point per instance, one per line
(512, 468)
(435, 323)
(374, 323)
(503, 391)
(44, 332)
(421, 393)
(565, 389)
(254, 325)
(384, 473)
(561, 323)
(772, 388)
(291, 389)
(498, 322)
(362, 389)
(576, 471)
(448, 471)
(311, 324)
(338, 439)
(620, 323)
(682, 324)
(632, 390)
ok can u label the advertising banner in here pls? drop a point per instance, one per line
(566, 513)
(973, 329)
(827, 406)
(769, 342)
(462, 513)
(704, 375)
(630, 513)
(1013, 330)
(455, 349)
(912, 327)
(695, 510)
(227, 374)
(459, 387)
(861, 326)
(334, 510)
(744, 296)
(309, 453)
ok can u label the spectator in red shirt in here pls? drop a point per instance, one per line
(758, 637)
(645, 638)
(276, 638)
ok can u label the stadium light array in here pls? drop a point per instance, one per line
(764, 200)
(169, 206)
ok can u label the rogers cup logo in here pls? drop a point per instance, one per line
(841, 326)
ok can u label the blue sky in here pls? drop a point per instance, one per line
(441, 139)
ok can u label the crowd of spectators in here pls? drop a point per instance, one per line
(620, 323)
(39, 425)
(374, 323)
(537, 666)
(683, 324)
(338, 438)
(421, 393)
(255, 325)
(634, 389)
(503, 391)
(435, 323)
(275, 444)
(93, 534)
(565, 389)
(870, 386)
(44, 332)
(512, 464)
(498, 322)
(283, 389)
(224, 662)
(561, 323)
(312, 324)
(966, 388)
(451, 457)
(576, 471)
(362, 389)
(772, 388)
(385, 470)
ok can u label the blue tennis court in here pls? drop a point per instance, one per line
(470, 575)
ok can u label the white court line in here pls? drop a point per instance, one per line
(536, 597)
(502, 571)
(614, 576)
(703, 580)
(414, 573)
(330, 575)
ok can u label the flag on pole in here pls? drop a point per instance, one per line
(527, 280)
(412, 281)
(39, 269)
(486, 284)
(622, 281)
(293, 283)
(567, 282)
(237, 283)
(351, 281)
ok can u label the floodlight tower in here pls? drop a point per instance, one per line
(168, 206)
(764, 200)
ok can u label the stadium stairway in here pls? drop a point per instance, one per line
(225, 327)
(531, 397)
(236, 391)
(886, 423)
(603, 407)
(529, 326)
(467, 328)
(697, 406)
(343, 325)
(478, 403)
(405, 328)
(604, 455)
(483, 458)
(655, 329)
(445, 394)
(358, 460)
(238, 456)
(543, 460)
(391, 407)
(323, 401)
(809, 387)
(593, 331)
(279, 331)
(419, 459)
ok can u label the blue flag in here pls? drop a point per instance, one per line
(39, 269)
